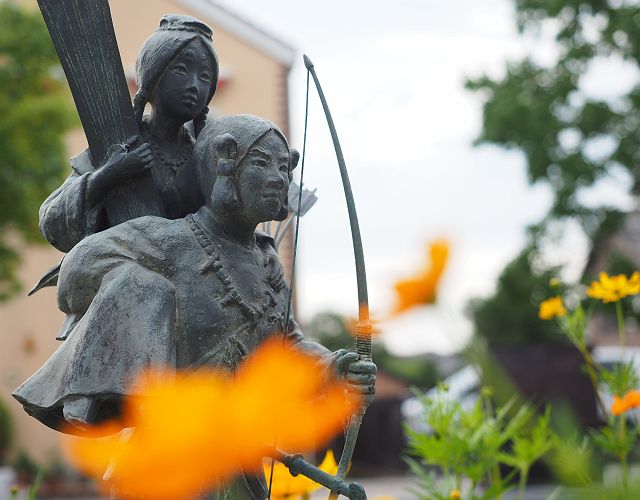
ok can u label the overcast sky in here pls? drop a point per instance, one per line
(393, 75)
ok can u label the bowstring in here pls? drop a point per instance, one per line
(295, 245)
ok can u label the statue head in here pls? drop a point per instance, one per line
(177, 69)
(245, 165)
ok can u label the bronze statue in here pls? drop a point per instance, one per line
(204, 290)
(177, 73)
(165, 266)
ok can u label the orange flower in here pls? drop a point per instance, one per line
(614, 288)
(552, 308)
(287, 486)
(619, 406)
(197, 429)
(622, 405)
(422, 289)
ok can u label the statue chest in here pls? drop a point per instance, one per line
(226, 306)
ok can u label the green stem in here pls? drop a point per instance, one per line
(524, 474)
(494, 471)
(621, 325)
(623, 456)
(591, 371)
(33, 491)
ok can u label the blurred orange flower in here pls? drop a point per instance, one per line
(614, 288)
(199, 428)
(287, 486)
(622, 405)
(423, 288)
(552, 308)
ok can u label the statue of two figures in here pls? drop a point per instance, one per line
(164, 264)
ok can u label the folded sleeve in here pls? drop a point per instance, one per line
(65, 217)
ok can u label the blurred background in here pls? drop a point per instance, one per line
(507, 127)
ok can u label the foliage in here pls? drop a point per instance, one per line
(36, 112)
(507, 317)
(25, 465)
(469, 446)
(535, 107)
(569, 139)
(616, 438)
(6, 430)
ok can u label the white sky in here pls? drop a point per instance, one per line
(393, 75)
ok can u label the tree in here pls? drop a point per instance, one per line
(6, 431)
(545, 112)
(570, 139)
(510, 316)
(35, 111)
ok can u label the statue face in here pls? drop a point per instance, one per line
(183, 89)
(264, 179)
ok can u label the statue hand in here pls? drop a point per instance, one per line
(360, 375)
(120, 168)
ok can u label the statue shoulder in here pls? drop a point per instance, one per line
(148, 235)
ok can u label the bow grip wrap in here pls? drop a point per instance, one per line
(364, 332)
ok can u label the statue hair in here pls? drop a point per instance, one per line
(160, 49)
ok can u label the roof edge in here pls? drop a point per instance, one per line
(250, 33)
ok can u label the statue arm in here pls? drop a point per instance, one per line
(65, 216)
(76, 209)
(293, 332)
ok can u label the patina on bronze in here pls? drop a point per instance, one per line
(135, 165)
(204, 290)
(176, 274)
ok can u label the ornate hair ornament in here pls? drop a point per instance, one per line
(174, 22)
(227, 148)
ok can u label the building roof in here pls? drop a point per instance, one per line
(243, 29)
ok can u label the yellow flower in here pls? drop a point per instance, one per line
(622, 405)
(552, 308)
(455, 495)
(614, 288)
(287, 486)
(200, 428)
(423, 288)
(554, 282)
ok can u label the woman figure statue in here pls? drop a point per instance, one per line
(177, 74)
(205, 290)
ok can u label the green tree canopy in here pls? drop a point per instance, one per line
(510, 316)
(35, 113)
(569, 137)
(544, 111)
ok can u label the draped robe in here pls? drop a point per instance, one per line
(158, 292)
